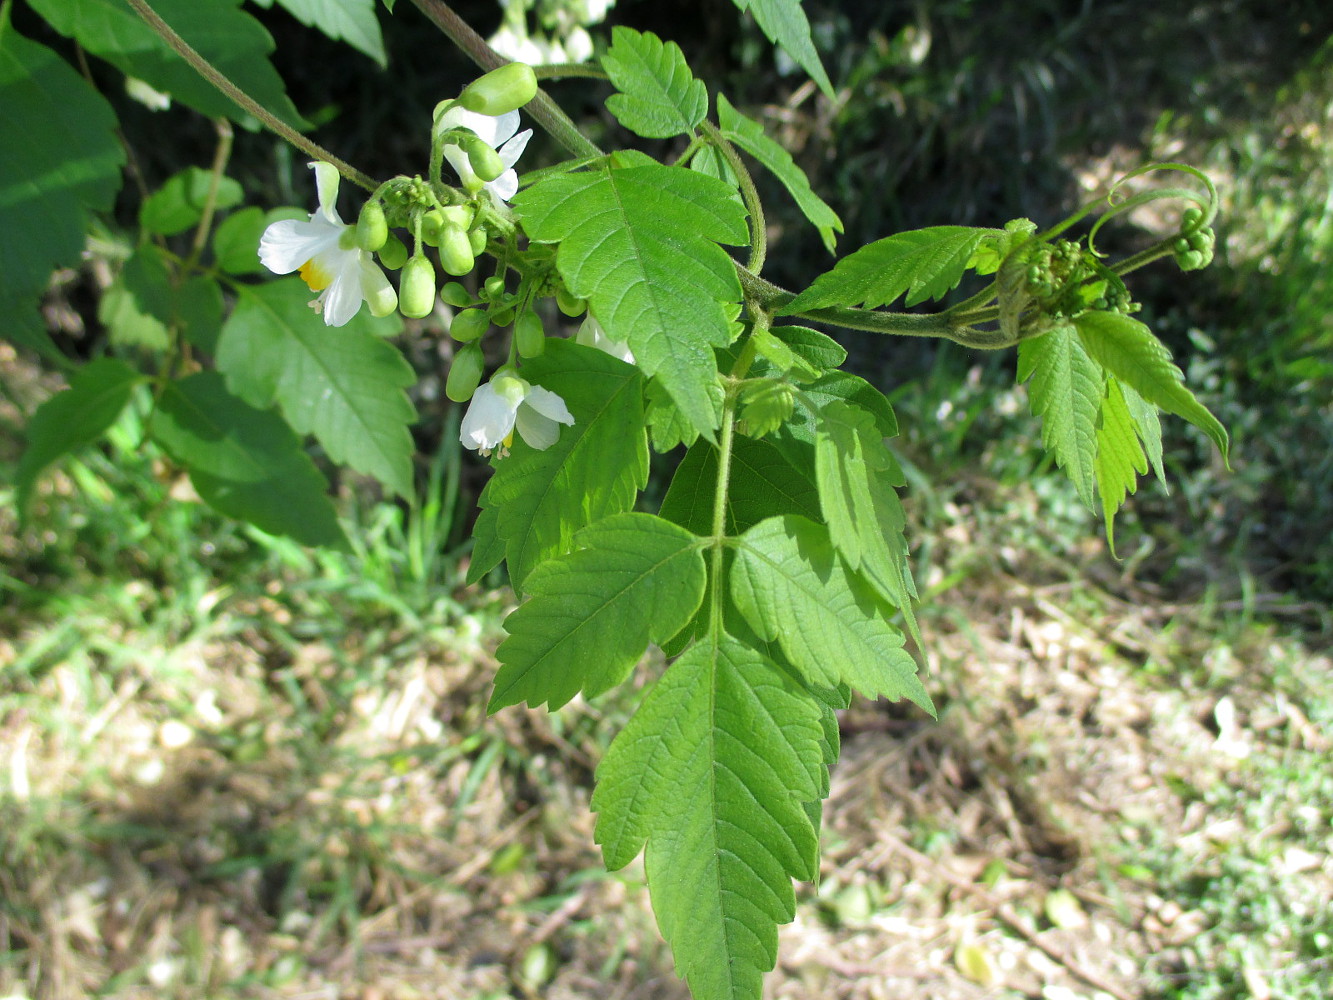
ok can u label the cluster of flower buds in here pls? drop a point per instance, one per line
(1194, 247)
(1064, 279)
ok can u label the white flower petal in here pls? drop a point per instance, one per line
(538, 431)
(488, 421)
(548, 404)
(463, 167)
(505, 186)
(326, 184)
(513, 149)
(503, 127)
(342, 299)
(375, 288)
(288, 244)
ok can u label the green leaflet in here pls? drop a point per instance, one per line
(790, 585)
(749, 135)
(641, 244)
(342, 384)
(856, 473)
(714, 774)
(923, 263)
(59, 161)
(659, 96)
(73, 418)
(631, 579)
(839, 386)
(245, 463)
(233, 41)
(352, 21)
(1128, 350)
(595, 469)
(1066, 393)
(819, 349)
(488, 549)
(1149, 429)
(785, 24)
(179, 203)
(138, 307)
(1120, 458)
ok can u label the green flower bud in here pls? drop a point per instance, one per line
(477, 239)
(501, 90)
(456, 256)
(529, 335)
(495, 287)
(432, 226)
(1190, 217)
(416, 290)
(458, 215)
(1191, 260)
(371, 228)
(469, 325)
(465, 373)
(486, 162)
(569, 303)
(393, 254)
(456, 295)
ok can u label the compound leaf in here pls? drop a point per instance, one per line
(790, 585)
(659, 96)
(229, 38)
(641, 243)
(714, 774)
(243, 462)
(1120, 458)
(865, 518)
(59, 161)
(1066, 393)
(344, 384)
(72, 418)
(595, 468)
(749, 135)
(785, 24)
(631, 579)
(923, 263)
(1127, 349)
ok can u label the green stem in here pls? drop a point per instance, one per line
(544, 111)
(214, 76)
(561, 71)
(220, 158)
(758, 227)
(717, 541)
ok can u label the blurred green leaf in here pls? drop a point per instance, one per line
(137, 307)
(785, 24)
(179, 203)
(352, 21)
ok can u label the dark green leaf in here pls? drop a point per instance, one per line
(659, 96)
(344, 384)
(923, 263)
(352, 21)
(639, 243)
(785, 24)
(714, 775)
(749, 135)
(631, 579)
(137, 309)
(180, 202)
(243, 462)
(72, 418)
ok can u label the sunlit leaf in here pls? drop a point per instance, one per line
(659, 96)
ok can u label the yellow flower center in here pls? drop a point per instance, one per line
(316, 278)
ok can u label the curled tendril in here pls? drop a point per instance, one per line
(1208, 203)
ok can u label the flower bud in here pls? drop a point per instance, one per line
(416, 292)
(465, 373)
(495, 287)
(477, 239)
(371, 228)
(501, 90)
(485, 161)
(456, 256)
(456, 295)
(393, 254)
(468, 325)
(529, 336)
(432, 225)
(569, 303)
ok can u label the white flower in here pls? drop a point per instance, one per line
(325, 253)
(498, 133)
(591, 334)
(507, 403)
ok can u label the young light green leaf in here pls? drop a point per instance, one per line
(229, 38)
(1127, 349)
(785, 24)
(749, 135)
(790, 585)
(866, 523)
(488, 549)
(1149, 428)
(344, 384)
(243, 462)
(641, 243)
(819, 349)
(72, 418)
(659, 96)
(923, 263)
(180, 202)
(631, 579)
(137, 309)
(782, 357)
(832, 387)
(59, 161)
(1120, 458)
(352, 21)
(667, 426)
(714, 775)
(595, 468)
(1066, 393)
